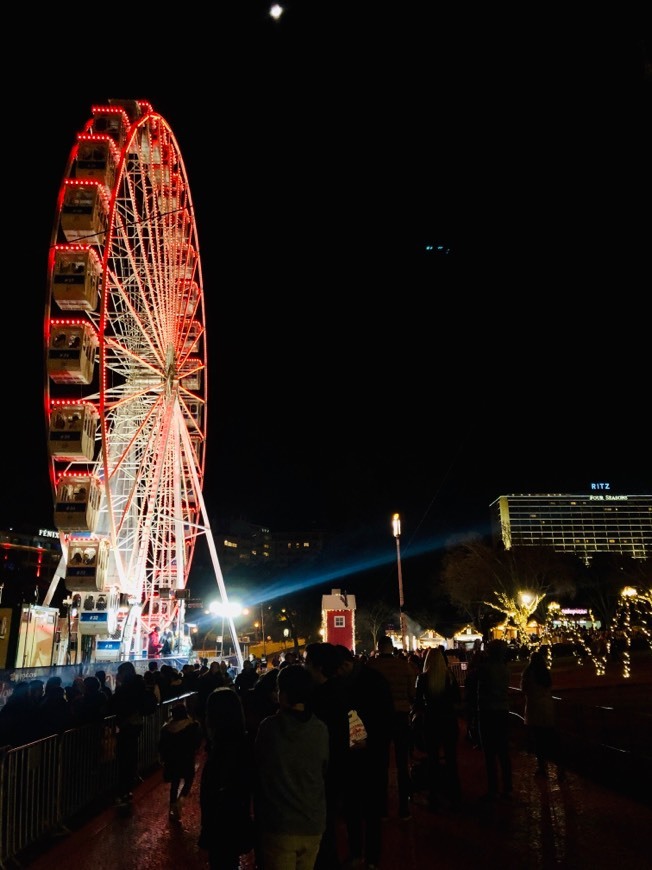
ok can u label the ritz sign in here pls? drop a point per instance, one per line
(605, 487)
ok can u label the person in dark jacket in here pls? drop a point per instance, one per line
(401, 676)
(19, 720)
(226, 786)
(536, 685)
(367, 692)
(104, 686)
(55, 711)
(329, 703)
(212, 679)
(438, 696)
(291, 756)
(179, 740)
(246, 679)
(92, 705)
(130, 702)
(493, 718)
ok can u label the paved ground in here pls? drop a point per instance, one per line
(575, 824)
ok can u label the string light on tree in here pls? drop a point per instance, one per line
(518, 609)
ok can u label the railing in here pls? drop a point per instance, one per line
(608, 745)
(45, 784)
(611, 746)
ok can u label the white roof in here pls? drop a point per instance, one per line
(338, 601)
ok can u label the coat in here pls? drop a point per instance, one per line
(178, 743)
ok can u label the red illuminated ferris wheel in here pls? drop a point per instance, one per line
(125, 381)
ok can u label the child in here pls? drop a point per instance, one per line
(179, 740)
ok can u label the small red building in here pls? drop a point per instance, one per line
(338, 618)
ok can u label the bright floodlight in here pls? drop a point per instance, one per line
(226, 610)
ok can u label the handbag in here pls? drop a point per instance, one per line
(357, 731)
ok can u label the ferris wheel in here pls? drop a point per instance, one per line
(126, 378)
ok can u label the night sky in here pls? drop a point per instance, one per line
(353, 371)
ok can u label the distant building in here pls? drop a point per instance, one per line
(241, 543)
(599, 522)
(28, 562)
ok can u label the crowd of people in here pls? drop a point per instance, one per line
(281, 772)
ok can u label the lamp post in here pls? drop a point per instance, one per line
(396, 528)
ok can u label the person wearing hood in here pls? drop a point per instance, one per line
(291, 753)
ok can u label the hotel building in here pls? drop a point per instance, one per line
(600, 521)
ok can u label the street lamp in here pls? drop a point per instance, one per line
(396, 528)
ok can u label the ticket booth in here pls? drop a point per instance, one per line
(77, 502)
(71, 351)
(76, 275)
(36, 636)
(72, 431)
(84, 212)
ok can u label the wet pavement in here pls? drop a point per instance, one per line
(546, 824)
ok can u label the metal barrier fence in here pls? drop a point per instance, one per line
(45, 784)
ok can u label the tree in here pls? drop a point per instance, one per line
(479, 577)
(604, 580)
(371, 622)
